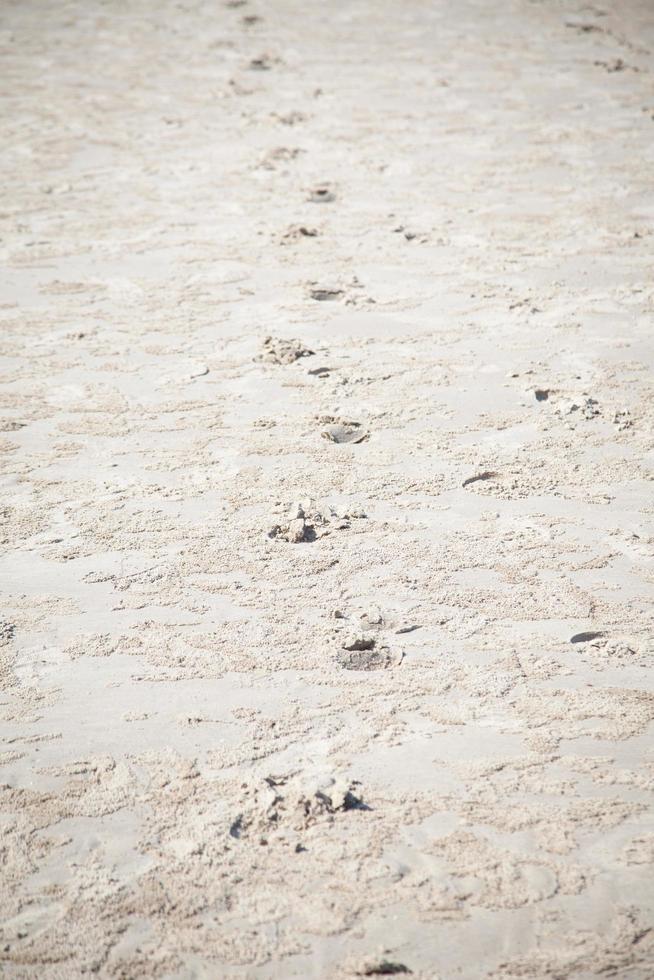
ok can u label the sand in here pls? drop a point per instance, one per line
(327, 510)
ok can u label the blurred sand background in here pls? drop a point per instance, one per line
(289, 681)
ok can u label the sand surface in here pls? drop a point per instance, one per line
(327, 508)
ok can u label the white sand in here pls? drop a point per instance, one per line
(364, 744)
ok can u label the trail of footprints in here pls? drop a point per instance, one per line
(358, 638)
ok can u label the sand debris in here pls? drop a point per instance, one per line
(307, 522)
(298, 232)
(293, 801)
(280, 154)
(622, 420)
(7, 631)
(585, 407)
(410, 235)
(291, 118)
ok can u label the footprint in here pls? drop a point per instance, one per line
(322, 195)
(365, 654)
(343, 432)
(360, 641)
(277, 350)
(263, 63)
(325, 294)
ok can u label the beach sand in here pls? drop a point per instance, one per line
(328, 537)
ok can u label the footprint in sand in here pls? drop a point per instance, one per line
(360, 643)
(325, 294)
(263, 63)
(322, 195)
(363, 653)
(277, 350)
(342, 432)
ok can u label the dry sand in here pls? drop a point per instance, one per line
(328, 403)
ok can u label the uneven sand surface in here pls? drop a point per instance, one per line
(327, 425)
